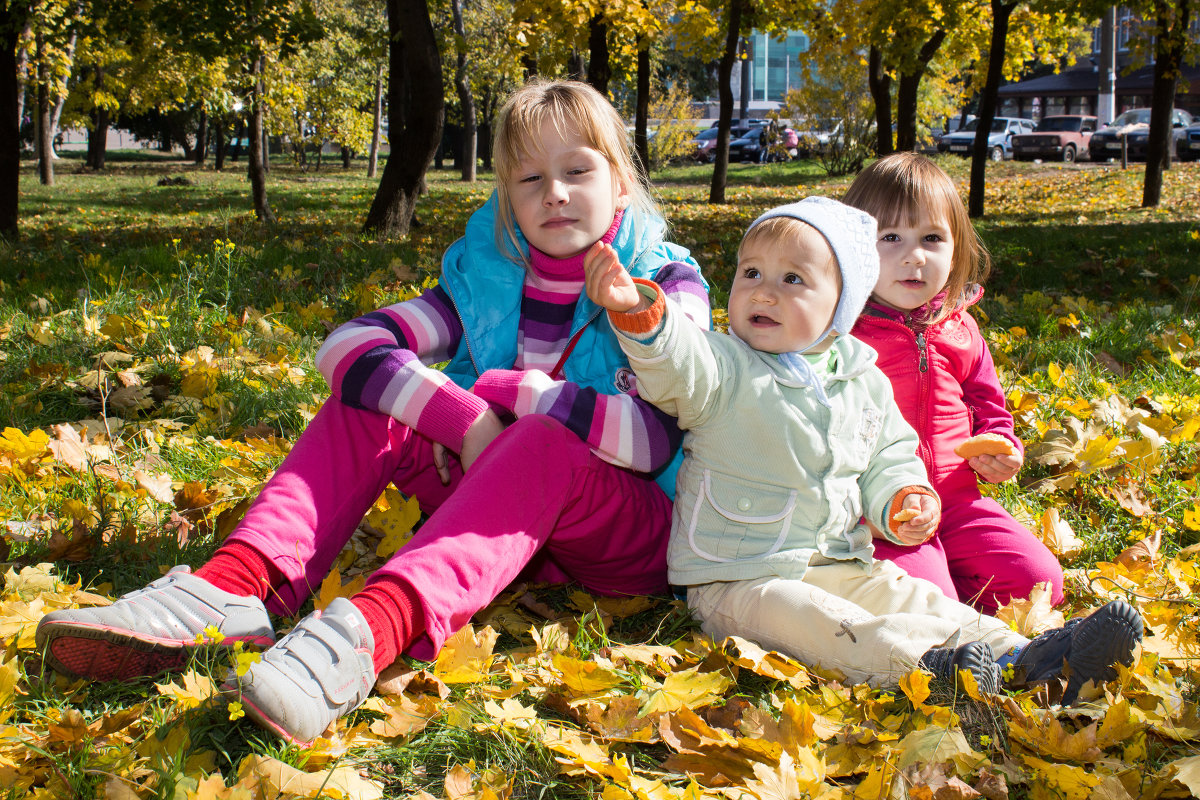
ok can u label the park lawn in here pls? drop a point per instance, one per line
(156, 352)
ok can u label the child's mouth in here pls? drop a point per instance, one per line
(913, 283)
(759, 319)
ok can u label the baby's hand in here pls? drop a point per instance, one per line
(996, 469)
(921, 527)
(608, 284)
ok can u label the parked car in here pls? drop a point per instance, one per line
(704, 143)
(747, 123)
(748, 146)
(1060, 137)
(1134, 125)
(1187, 146)
(999, 139)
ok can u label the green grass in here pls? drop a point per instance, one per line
(115, 273)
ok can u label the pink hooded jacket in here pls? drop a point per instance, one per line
(945, 384)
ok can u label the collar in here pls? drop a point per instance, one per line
(570, 268)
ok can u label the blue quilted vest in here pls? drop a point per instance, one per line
(486, 289)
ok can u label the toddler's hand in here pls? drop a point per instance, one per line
(996, 469)
(921, 527)
(481, 433)
(608, 284)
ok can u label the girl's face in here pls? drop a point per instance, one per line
(564, 194)
(914, 262)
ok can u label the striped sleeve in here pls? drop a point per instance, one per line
(622, 429)
(380, 362)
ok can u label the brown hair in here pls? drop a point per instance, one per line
(897, 188)
(567, 105)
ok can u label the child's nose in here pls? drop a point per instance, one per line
(556, 193)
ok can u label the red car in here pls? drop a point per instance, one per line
(1058, 138)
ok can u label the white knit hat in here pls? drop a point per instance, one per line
(851, 235)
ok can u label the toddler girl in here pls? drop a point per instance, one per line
(945, 382)
(530, 451)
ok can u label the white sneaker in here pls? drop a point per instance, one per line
(316, 674)
(150, 630)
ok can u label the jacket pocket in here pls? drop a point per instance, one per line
(734, 519)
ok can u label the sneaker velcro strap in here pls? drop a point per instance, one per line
(332, 660)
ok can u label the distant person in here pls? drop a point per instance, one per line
(531, 451)
(930, 347)
(796, 457)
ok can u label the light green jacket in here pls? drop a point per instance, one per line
(771, 477)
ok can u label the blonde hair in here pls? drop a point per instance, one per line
(567, 105)
(897, 188)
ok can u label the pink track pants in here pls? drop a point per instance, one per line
(537, 504)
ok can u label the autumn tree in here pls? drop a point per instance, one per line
(1169, 23)
(415, 114)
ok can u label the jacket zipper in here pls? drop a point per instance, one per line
(922, 391)
(463, 324)
(924, 363)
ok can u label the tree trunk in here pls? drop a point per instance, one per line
(22, 60)
(1001, 12)
(97, 144)
(266, 140)
(470, 129)
(257, 158)
(377, 123)
(239, 133)
(641, 141)
(599, 71)
(716, 193)
(347, 155)
(1169, 44)
(880, 84)
(12, 20)
(201, 151)
(61, 100)
(576, 68)
(45, 135)
(218, 130)
(907, 92)
(413, 59)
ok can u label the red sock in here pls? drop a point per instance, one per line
(239, 569)
(394, 614)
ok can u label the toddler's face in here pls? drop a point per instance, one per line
(564, 194)
(785, 291)
(914, 262)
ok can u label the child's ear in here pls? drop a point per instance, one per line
(624, 198)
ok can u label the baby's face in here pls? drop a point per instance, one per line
(785, 291)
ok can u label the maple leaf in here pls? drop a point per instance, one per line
(394, 517)
(585, 678)
(582, 753)
(1033, 615)
(620, 721)
(915, 686)
(466, 657)
(688, 688)
(333, 588)
(1142, 554)
(196, 689)
(1058, 535)
(157, 486)
(403, 715)
(1071, 782)
(270, 777)
(769, 664)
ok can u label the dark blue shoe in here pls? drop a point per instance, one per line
(1088, 647)
(974, 657)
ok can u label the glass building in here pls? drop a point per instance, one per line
(775, 65)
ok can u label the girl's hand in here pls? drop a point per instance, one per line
(996, 469)
(608, 284)
(483, 430)
(920, 528)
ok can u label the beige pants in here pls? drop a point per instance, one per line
(872, 625)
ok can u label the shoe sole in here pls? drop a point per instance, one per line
(1107, 637)
(977, 659)
(111, 654)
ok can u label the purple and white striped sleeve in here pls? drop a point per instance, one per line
(379, 362)
(622, 429)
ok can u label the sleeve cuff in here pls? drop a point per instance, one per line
(449, 413)
(898, 502)
(647, 320)
(499, 387)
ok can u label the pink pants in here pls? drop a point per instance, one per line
(981, 556)
(537, 504)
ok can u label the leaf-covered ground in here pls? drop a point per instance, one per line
(155, 362)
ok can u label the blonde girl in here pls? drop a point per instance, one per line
(530, 450)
